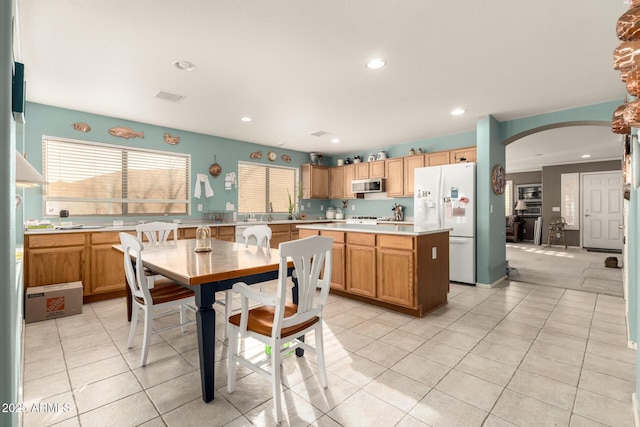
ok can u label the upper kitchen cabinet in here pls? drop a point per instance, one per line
(348, 175)
(376, 169)
(410, 165)
(437, 158)
(336, 182)
(468, 154)
(315, 182)
(362, 170)
(394, 170)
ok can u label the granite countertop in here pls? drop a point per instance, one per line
(81, 227)
(406, 230)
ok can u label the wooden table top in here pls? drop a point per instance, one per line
(179, 261)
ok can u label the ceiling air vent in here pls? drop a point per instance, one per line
(168, 96)
(320, 133)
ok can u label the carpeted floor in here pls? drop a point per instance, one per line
(571, 268)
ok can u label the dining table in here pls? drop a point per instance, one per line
(207, 273)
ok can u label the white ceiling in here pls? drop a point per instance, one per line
(298, 66)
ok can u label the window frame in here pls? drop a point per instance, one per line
(125, 153)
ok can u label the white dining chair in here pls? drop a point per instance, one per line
(164, 294)
(262, 235)
(278, 322)
(157, 232)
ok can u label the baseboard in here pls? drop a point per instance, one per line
(491, 285)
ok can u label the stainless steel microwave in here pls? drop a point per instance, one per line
(371, 185)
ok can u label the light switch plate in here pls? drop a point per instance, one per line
(199, 207)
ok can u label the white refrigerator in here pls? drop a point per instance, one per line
(445, 197)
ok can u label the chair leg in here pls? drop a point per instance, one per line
(183, 316)
(134, 324)
(228, 308)
(320, 355)
(148, 332)
(232, 365)
(276, 370)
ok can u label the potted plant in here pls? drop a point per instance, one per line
(292, 205)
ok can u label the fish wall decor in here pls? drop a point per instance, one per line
(81, 127)
(256, 155)
(171, 140)
(125, 132)
(285, 158)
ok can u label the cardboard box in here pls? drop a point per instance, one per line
(53, 301)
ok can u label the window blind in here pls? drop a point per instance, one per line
(90, 178)
(260, 185)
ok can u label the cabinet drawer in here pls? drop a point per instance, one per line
(56, 240)
(279, 228)
(361, 239)
(338, 236)
(105, 237)
(395, 242)
(226, 231)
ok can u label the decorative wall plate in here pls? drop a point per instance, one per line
(272, 156)
(498, 179)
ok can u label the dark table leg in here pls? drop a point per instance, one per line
(206, 321)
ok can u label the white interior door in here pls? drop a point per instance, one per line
(602, 210)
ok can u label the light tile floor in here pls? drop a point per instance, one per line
(518, 354)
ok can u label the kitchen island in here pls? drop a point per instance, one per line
(401, 267)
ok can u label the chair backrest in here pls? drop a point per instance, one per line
(312, 260)
(262, 234)
(157, 232)
(557, 223)
(134, 270)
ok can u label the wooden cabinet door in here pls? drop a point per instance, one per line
(376, 169)
(107, 270)
(437, 158)
(469, 154)
(410, 165)
(349, 174)
(315, 182)
(361, 259)
(338, 259)
(396, 281)
(362, 170)
(56, 265)
(394, 170)
(336, 182)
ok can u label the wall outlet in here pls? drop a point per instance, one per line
(199, 207)
(321, 207)
(301, 207)
(353, 207)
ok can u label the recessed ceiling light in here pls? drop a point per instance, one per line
(376, 63)
(457, 111)
(586, 156)
(335, 140)
(246, 119)
(184, 65)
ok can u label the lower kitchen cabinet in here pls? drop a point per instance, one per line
(106, 267)
(280, 233)
(396, 267)
(361, 262)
